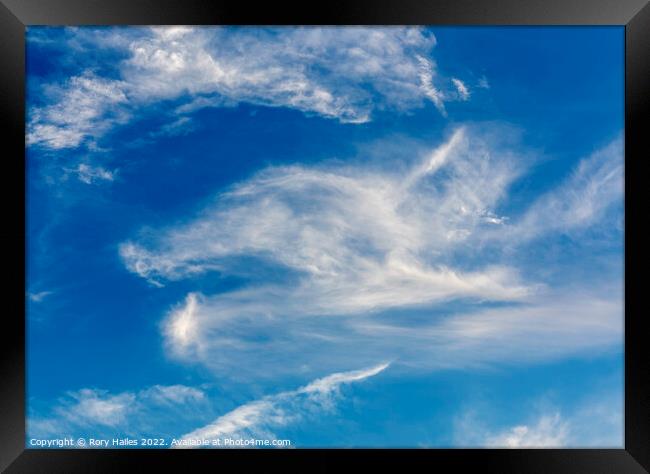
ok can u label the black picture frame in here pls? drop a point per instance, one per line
(15, 15)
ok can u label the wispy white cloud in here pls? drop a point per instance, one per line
(592, 422)
(550, 431)
(591, 189)
(97, 407)
(40, 296)
(260, 418)
(343, 73)
(82, 108)
(367, 239)
(356, 242)
(243, 340)
(483, 83)
(92, 174)
(552, 326)
(182, 328)
(174, 394)
(100, 411)
(462, 89)
(427, 87)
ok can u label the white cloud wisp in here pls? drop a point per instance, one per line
(342, 73)
(355, 242)
(462, 89)
(596, 422)
(100, 412)
(260, 417)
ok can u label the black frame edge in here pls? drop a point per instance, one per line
(635, 14)
(12, 364)
(374, 12)
(497, 461)
(637, 143)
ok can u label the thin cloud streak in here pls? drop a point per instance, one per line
(243, 341)
(92, 174)
(40, 296)
(260, 417)
(462, 89)
(582, 200)
(427, 87)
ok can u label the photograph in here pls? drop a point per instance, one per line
(282, 237)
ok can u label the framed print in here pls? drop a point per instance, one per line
(403, 234)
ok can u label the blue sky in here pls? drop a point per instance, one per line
(366, 237)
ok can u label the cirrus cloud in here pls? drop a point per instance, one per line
(342, 73)
(363, 250)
